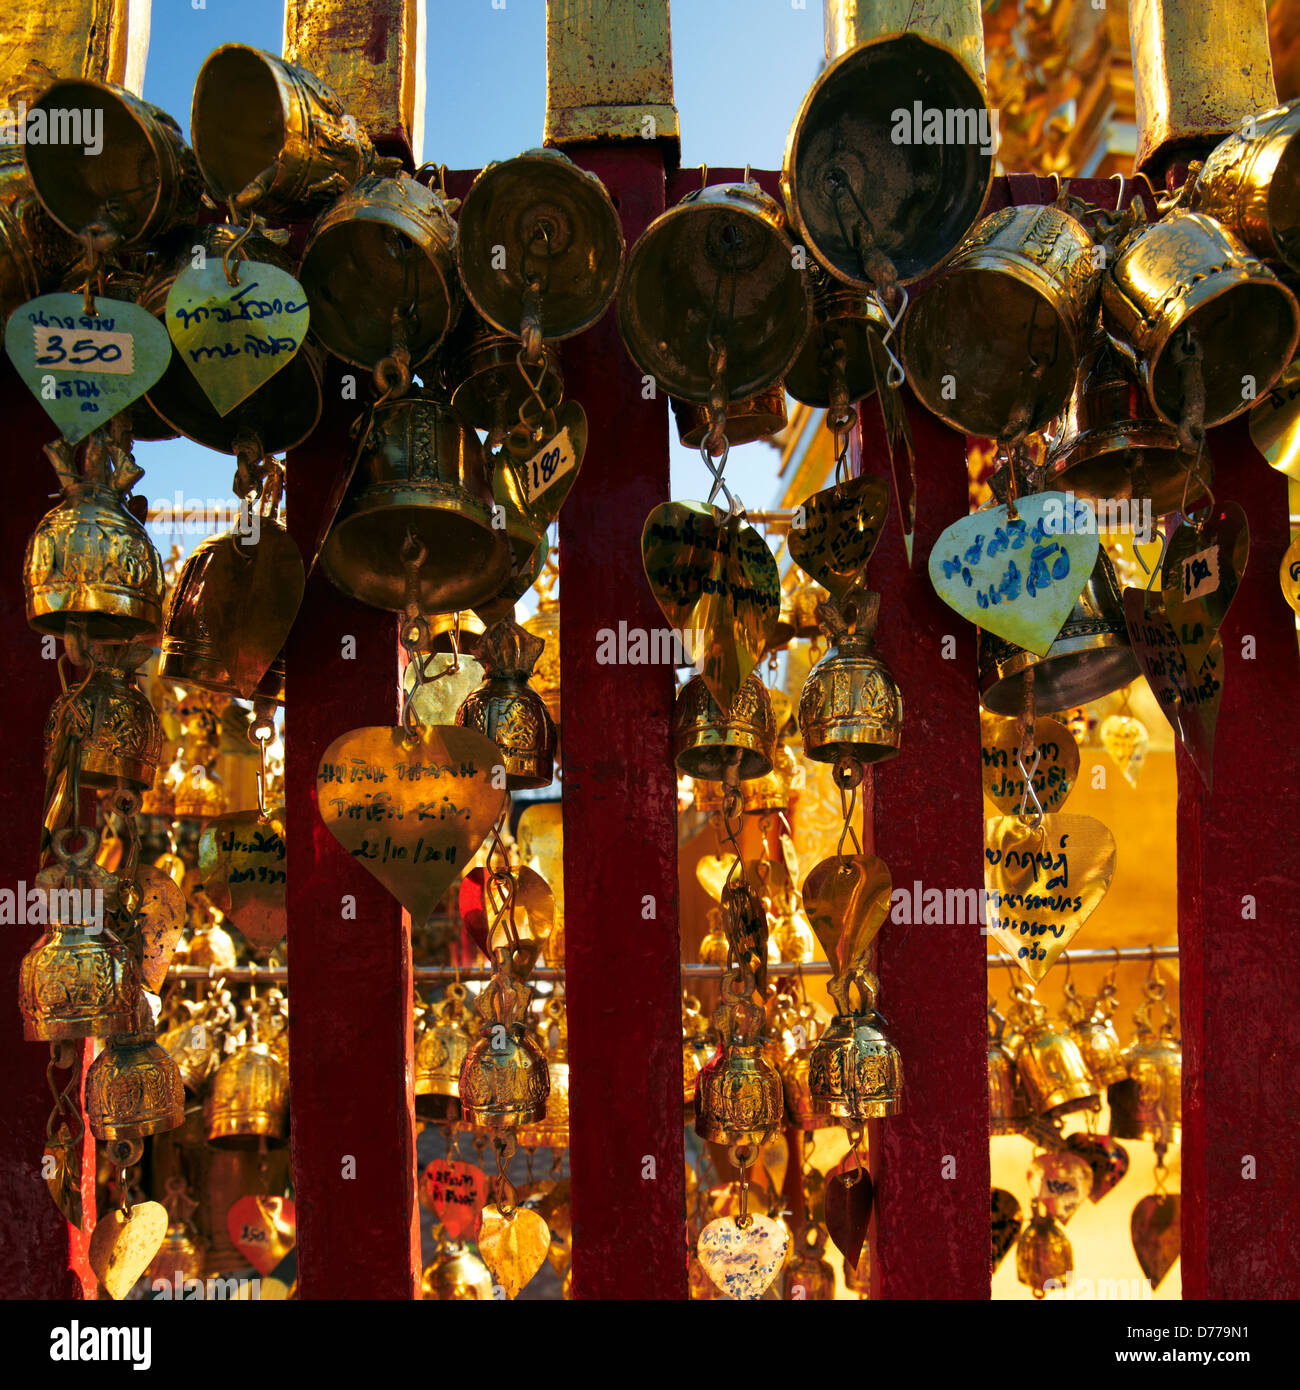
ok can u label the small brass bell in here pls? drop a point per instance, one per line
(777, 790)
(552, 1131)
(79, 980)
(181, 1258)
(504, 1082)
(483, 374)
(854, 1072)
(563, 245)
(845, 325)
(133, 1089)
(271, 137)
(759, 417)
(144, 182)
(191, 1046)
(799, 1108)
(508, 710)
(422, 474)
(798, 616)
(545, 624)
(1043, 1254)
(850, 705)
(792, 934)
(89, 560)
(714, 947)
(440, 1052)
(721, 245)
(1050, 1066)
(707, 744)
(1008, 1104)
(1149, 1103)
(1090, 657)
(380, 273)
(1092, 1028)
(1007, 319)
(1183, 278)
(738, 1096)
(248, 1103)
(468, 632)
(696, 1049)
(808, 1277)
(456, 1275)
(121, 738)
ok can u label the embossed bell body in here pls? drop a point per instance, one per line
(1149, 1103)
(382, 255)
(759, 417)
(777, 790)
(504, 1082)
(844, 323)
(440, 1053)
(854, 1072)
(190, 1045)
(482, 372)
(456, 1275)
(1052, 1071)
(141, 183)
(738, 1097)
(249, 1099)
(272, 136)
(1043, 1255)
(508, 710)
(133, 1090)
(1091, 656)
(993, 344)
(1186, 273)
(731, 235)
(798, 615)
(1102, 1051)
(1008, 1105)
(545, 624)
(800, 1110)
(708, 744)
(283, 411)
(422, 473)
(808, 1278)
(1113, 447)
(122, 739)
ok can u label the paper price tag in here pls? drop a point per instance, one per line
(83, 350)
(1201, 573)
(553, 461)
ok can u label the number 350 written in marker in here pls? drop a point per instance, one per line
(84, 350)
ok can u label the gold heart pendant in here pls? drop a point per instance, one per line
(1054, 777)
(1125, 739)
(513, 1246)
(411, 809)
(839, 530)
(1200, 577)
(536, 475)
(162, 919)
(122, 1246)
(1044, 884)
(847, 900)
(242, 863)
(743, 1262)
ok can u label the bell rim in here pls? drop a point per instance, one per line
(765, 417)
(1006, 675)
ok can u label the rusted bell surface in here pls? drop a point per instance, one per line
(1184, 274)
(121, 737)
(133, 1089)
(1043, 1254)
(727, 239)
(845, 324)
(272, 136)
(504, 1082)
(1052, 1070)
(1111, 446)
(707, 742)
(249, 1099)
(1091, 656)
(760, 417)
(143, 182)
(994, 343)
(508, 710)
(849, 184)
(855, 1073)
(282, 412)
(1251, 184)
(383, 252)
(738, 1097)
(481, 369)
(422, 473)
(563, 244)
(456, 1275)
(1149, 1103)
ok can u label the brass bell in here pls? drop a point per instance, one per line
(190, 1045)
(508, 710)
(78, 980)
(34, 249)
(282, 412)
(465, 635)
(440, 1052)
(858, 1277)
(1092, 1028)
(1186, 278)
(456, 1275)
(505, 1081)
(423, 474)
(846, 325)
(271, 136)
(144, 181)
(808, 1277)
(1091, 656)
(850, 705)
(133, 1089)
(181, 1258)
(563, 245)
(1149, 1103)
(707, 744)
(121, 738)
(760, 417)
(380, 272)
(545, 625)
(552, 1131)
(799, 1108)
(1248, 183)
(1043, 1254)
(872, 207)
(248, 1104)
(1050, 1066)
(798, 617)
(89, 560)
(993, 344)
(1111, 445)
(696, 1049)
(854, 1072)
(738, 1098)
(481, 369)
(721, 245)
(792, 934)
(714, 947)
(777, 790)
(1008, 1104)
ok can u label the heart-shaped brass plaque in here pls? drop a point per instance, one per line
(162, 919)
(122, 1246)
(411, 810)
(839, 530)
(1054, 777)
(454, 1192)
(242, 863)
(1200, 577)
(536, 475)
(263, 1230)
(847, 901)
(1061, 1181)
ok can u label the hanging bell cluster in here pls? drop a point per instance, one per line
(1148, 1102)
(1049, 1066)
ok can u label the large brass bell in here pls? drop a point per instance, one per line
(271, 136)
(708, 744)
(1186, 277)
(248, 1103)
(78, 980)
(282, 412)
(440, 1052)
(423, 474)
(562, 243)
(1091, 656)
(1148, 1104)
(1111, 446)
(850, 704)
(380, 273)
(508, 710)
(1051, 1067)
(133, 1089)
(993, 344)
(873, 207)
(456, 1275)
(143, 180)
(120, 736)
(760, 417)
(738, 1099)
(723, 245)
(854, 1072)
(481, 368)
(504, 1082)
(846, 325)
(89, 561)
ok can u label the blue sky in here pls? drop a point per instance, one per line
(740, 70)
